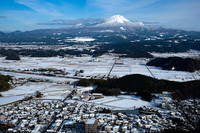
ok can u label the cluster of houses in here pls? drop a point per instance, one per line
(186, 113)
(47, 71)
(80, 95)
(21, 81)
(53, 116)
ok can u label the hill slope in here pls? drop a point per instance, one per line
(145, 86)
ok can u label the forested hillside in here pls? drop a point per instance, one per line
(176, 63)
(144, 86)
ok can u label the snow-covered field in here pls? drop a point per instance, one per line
(32, 87)
(92, 67)
(22, 75)
(45, 62)
(96, 67)
(10, 99)
(173, 75)
(132, 66)
(123, 102)
(81, 39)
(50, 90)
(191, 53)
(127, 66)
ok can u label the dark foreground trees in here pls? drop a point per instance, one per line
(4, 85)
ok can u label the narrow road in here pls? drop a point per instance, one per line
(111, 69)
(150, 72)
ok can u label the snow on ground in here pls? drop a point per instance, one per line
(105, 99)
(92, 67)
(173, 75)
(96, 67)
(128, 103)
(32, 87)
(10, 99)
(22, 75)
(56, 94)
(49, 91)
(191, 53)
(28, 88)
(89, 88)
(81, 39)
(126, 66)
(123, 102)
(45, 62)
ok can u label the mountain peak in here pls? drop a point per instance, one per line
(118, 19)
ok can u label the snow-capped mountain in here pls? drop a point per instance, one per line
(119, 21)
(116, 23)
(114, 29)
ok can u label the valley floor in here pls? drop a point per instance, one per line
(58, 85)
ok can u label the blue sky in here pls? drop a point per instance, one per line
(35, 14)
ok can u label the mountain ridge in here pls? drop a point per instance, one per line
(111, 30)
(115, 21)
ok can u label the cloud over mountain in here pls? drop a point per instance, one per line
(84, 21)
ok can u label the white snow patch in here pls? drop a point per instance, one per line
(122, 102)
(122, 28)
(81, 39)
(10, 99)
(106, 31)
(191, 53)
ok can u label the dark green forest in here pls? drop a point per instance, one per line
(176, 63)
(4, 85)
(144, 86)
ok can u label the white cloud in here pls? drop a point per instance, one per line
(40, 6)
(119, 6)
(84, 21)
(182, 14)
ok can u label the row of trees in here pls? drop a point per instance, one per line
(41, 52)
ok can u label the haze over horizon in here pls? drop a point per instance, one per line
(40, 14)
